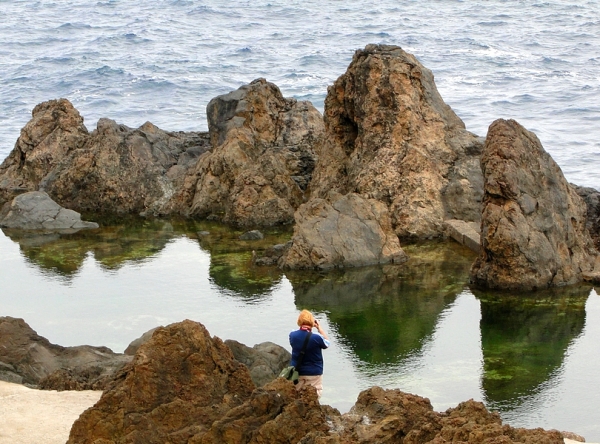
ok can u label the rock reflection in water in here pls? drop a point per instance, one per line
(524, 339)
(387, 313)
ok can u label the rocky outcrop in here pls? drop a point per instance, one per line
(27, 358)
(592, 199)
(265, 360)
(390, 137)
(114, 169)
(185, 387)
(36, 211)
(533, 222)
(178, 384)
(344, 231)
(262, 161)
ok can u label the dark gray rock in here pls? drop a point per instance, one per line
(592, 199)
(35, 210)
(37, 362)
(534, 231)
(344, 231)
(132, 348)
(252, 235)
(265, 360)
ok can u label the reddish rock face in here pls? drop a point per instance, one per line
(177, 385)
(533, 223)
(390, 137)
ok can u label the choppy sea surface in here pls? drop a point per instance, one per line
(533, 61)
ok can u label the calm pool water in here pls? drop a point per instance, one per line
(417, 326)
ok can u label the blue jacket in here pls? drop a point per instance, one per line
(312, 364)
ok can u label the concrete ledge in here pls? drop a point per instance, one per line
(465, 233)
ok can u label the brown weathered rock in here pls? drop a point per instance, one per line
(47, 140)
(27, 358)
(177, 385)
(262, 160)
(391, 137)
(114, 169)
(533, 223)
(348, 231)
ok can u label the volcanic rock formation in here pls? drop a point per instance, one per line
(390, 137)
(185, 387)
(534, 231)
(114, 169)
(262, 160)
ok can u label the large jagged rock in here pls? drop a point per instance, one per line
(185, 387)
(262, 160)
(178, 384)
(390, 137)
(533, 223)
(344, 231)
(114, 169)
(30, 359)
(35, 210)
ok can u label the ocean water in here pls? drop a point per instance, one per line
(536, 62)
(162, 61)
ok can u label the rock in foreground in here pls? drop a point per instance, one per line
(534, 231)
(185, 387)
(27, 358)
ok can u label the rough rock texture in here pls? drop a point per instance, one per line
(177, 385)
(185, 387)
(114, 169)
(347, 231)
(27, 358)
(391, 137)
(265, 360)
(262, 160)
(533, 223)
(35, 210)
(592, 200)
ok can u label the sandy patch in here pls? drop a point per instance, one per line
(29, 416)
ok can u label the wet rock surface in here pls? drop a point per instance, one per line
(534, 231)
(185, 387)
(27, 358)
(390, 137)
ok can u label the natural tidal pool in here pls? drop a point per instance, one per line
(416, 326)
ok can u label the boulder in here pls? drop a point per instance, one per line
(114, 169)
(534, 231)
(262, 160)
(265, 360)
(178, 384)
(345, 231)
(30, 359)
(252, 235)
(389, 136)
(35, 210)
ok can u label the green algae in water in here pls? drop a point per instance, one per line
(524, 339)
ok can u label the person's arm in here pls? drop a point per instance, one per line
(321, 331)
